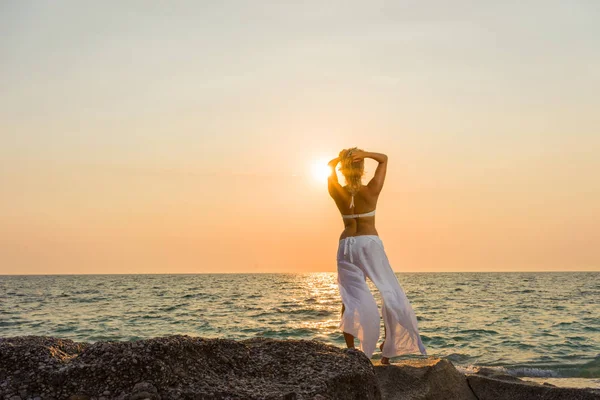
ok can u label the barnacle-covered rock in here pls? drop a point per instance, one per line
(183, 367)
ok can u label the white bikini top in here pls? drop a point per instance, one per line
(367, 214)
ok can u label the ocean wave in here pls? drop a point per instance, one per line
(533, 372)
(195, 295)
(173, 307)
(479, 331)
(590, 369)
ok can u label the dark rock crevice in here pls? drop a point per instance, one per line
(472, 391)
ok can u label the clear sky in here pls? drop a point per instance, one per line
(181, 137)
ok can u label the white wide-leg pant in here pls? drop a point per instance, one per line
(362, 257)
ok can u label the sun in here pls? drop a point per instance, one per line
(320, 170)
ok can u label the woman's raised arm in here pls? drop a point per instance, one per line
(333, 184)
(376, 183)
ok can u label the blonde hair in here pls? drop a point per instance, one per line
(352, 171)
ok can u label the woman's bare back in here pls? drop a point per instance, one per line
(364, 202)
(365, 199)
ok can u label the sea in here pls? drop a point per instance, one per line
(537, 326)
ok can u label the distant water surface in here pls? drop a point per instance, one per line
(531, 324)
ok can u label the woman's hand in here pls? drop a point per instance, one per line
(358, 155)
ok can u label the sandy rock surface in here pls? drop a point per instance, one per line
(503, 387)
(182, 367)
(423, 379)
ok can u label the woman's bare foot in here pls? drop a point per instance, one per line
(384, 360)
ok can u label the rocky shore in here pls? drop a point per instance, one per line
(184, 367)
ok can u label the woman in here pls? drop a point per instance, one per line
(360, 256)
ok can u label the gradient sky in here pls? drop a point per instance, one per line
(180, 137)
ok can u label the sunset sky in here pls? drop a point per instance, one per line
(182, 137)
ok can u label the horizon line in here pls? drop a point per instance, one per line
(306, 273)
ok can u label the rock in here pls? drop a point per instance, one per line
(489, 388)
(144, 396)
(144, 390)
(423, 379)
(145, 387)
(184, 367)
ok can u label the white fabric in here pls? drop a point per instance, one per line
(368, 214)
(362, 257)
